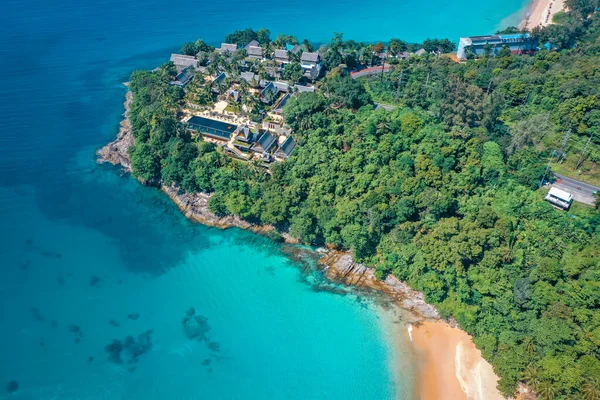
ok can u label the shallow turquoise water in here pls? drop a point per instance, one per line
(277, 336)
(81, 245)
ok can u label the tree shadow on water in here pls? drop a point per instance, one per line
(149, 231)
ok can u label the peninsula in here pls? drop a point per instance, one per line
(428, 170)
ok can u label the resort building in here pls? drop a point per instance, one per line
(232, 94)
(286, 148)
(278, 106)
(293, 48)
(281, 86)
(303, 88)
(264, 143)
(243, 138)
(251, 78)
(491, 44)
(228, 48)
(559, 198)
(311, 64)
(254, 52)
(219, 80)
(269, 93)
(183, 77)
(211, 128)
(182, 61)
(282, 56)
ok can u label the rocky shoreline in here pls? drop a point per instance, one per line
(116, 152)
(338, 266)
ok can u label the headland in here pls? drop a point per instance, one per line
(447, 360)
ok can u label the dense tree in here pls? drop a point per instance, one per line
(438, 45)
(347, 92)
(263, 36)
(442, 192)
(242, 37)
(397, 46)
(292, 72)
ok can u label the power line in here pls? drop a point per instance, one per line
(560, 154)
(584, 149)
(547, 168)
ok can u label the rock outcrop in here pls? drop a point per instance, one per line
(340, 267)
(116, 152)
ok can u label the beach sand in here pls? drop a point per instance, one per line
(540, 13)
(451, 367)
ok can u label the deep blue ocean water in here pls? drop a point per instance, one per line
(81, 245)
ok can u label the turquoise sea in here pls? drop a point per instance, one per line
(89, 256)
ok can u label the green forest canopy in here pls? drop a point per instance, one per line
(441, 192)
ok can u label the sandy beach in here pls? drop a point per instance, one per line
(540, 13)
(450, 366)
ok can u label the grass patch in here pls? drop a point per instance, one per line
(582, 210)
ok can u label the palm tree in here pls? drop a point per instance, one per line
(268, 50)
(261, 71)
(213, 68)
(546, 390)
(529, 346)
(531, 376)
(591, 389)
(307, 45)
(221, 87)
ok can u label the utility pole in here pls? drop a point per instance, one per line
(399, 84)
(560, 153)
(564, 145)
(580, 161)
(547, 168)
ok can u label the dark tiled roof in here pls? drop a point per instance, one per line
(270, 87)
(228, 47)
(219, 78)
(287, 147)
(264, 142)
(282, 54)
(281, 86)
(234, 94)
(254, 51)
(211, 127)
(183, 77)
(244, 133)
(281, 103)
(311, 57)
(248, 76)
(183, 61)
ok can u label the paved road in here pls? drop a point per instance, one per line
(369, 71)
(581, 191)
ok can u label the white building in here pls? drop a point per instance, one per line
(559, 198)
